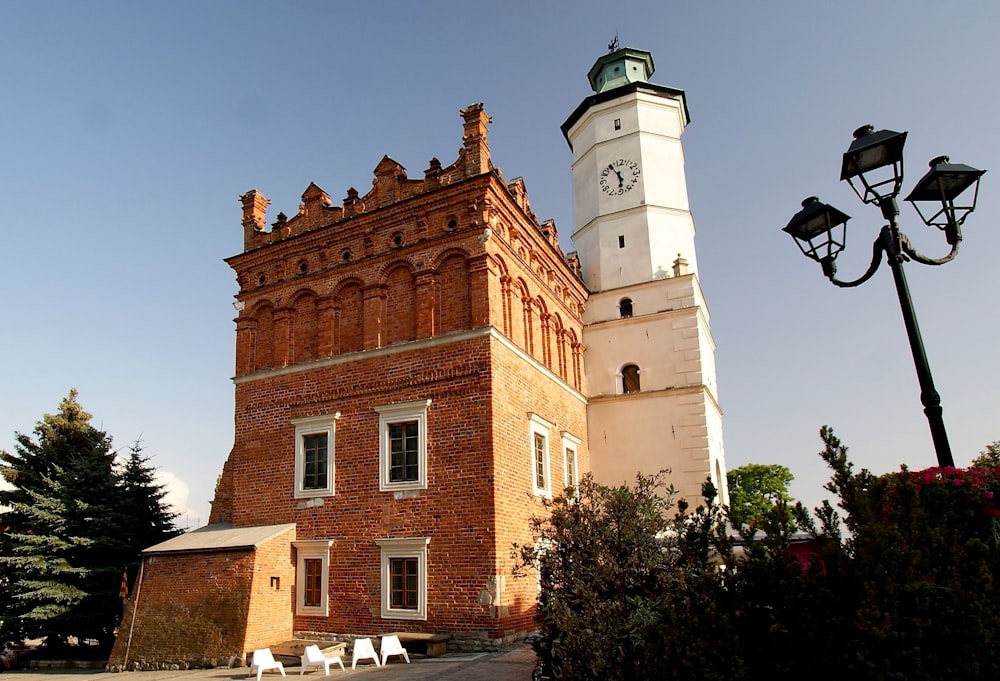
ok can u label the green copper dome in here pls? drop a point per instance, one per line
(620, 67)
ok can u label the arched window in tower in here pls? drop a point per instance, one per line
(630, 378)
(625, 308)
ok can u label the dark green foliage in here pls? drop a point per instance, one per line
(73, 522)
(903, 586)
(620, 588)
(920, 568)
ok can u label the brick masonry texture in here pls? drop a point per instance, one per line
(446, 288)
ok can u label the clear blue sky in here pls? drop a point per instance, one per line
(128, 129)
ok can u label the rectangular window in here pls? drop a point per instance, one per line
(403, 583)
(403, 446)
(312, 576)
(314, 455)
(541, 446)
(312, 573)
(570, 468)
(621, 241)
(404, 463)
(541, 480)
(404, 578)
(571, 475)
(315, 460)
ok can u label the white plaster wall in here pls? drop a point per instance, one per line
(653, 240)
(647, 432)
(665, 347)
(674, 421)
(653, 217)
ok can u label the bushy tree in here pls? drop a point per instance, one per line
(919, 569)
(622, 587)
(754, 489)
(989, 457)
(73, 521)
(900, 583)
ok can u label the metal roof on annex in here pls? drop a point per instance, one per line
(220, 537)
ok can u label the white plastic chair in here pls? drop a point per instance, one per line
(364, 650)
(312, 656)
(264, 660)
(391, 646)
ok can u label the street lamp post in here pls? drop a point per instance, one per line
(873, 166)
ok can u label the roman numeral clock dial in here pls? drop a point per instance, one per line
(619, 176)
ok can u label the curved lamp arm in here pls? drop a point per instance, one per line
(907, 247)
(830, 267)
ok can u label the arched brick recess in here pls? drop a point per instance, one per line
(400, 305)
(305, 328)
(264, 337)
(455, 294)
(526, 314)
(350, 319)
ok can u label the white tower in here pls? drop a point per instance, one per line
(649, 355)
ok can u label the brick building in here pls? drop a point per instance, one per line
(410, 386)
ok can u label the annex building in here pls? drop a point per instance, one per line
(419, 367)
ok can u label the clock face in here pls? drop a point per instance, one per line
(619, 176)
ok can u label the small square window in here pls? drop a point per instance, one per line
(314, 456)
(404, 578)
(403, 446)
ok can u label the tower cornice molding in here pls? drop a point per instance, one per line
(611, 95)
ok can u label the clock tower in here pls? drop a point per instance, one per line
(649, 355)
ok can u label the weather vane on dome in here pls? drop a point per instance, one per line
(613, 45)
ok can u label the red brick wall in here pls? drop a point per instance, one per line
(211, 605)
(415, 273)
(190, 606)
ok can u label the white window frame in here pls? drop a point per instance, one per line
(404, 548)
(415, 410)
(539, 426)
(312, 549)
(571, 443)
(315, 425)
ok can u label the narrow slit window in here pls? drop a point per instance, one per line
(621, 241)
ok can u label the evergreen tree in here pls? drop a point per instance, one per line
(143, 503)
(74, 520)
(44, 584)
(61, 439)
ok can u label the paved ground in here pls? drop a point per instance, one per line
(514, 664)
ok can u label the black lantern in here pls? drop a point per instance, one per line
(875, 159)
(873, 165)
(942, 184)
(819, 229)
